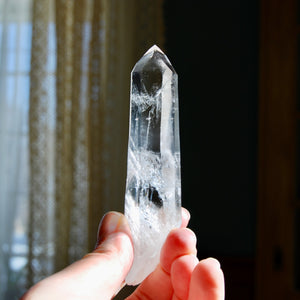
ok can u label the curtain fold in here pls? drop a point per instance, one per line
(15, 35)
(82, 55)
(96, 163)
(41, 149)
(78, 235)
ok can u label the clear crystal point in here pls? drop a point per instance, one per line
(153, 186)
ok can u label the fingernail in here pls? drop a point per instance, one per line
(213, 262)
(186, 214)
(112, 222)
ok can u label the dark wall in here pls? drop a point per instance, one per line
(213, 45)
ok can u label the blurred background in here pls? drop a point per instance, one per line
(64, 99)
(214, 46)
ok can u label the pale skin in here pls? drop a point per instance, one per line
(101, 273)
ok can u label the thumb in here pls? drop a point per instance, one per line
(101, 273)
(112, 257)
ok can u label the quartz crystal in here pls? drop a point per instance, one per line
(153, 186)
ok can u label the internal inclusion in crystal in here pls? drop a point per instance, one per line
(153, 188)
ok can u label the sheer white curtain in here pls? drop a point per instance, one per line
(64, 96)
(15, 41)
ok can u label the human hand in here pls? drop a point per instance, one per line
(101, 273)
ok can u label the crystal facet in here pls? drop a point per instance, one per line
(153, 186)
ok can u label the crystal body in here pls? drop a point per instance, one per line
(153, 185)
